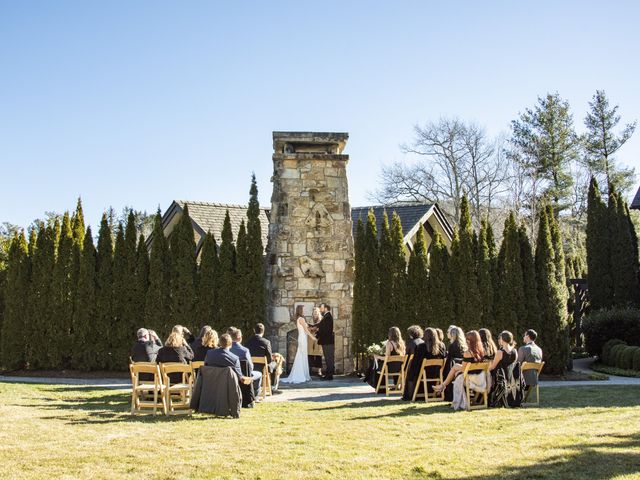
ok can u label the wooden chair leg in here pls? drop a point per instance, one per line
(379, 380)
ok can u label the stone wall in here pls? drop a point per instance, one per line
(310, 251)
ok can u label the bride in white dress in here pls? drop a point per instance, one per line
(300, 370)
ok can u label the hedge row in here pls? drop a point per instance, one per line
(616, 353)
(615, 323)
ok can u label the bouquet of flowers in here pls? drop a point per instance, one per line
(376, 349)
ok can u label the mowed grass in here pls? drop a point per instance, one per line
(78, 432)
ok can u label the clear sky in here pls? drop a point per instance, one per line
(139, 103)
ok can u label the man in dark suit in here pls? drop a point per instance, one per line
(261, 347)
(222, 357)
(326, 339)
(147, 346)
(243, 353)
(530, 352)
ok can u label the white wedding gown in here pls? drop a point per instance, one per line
(300, 370)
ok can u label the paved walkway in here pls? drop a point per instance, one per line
(341, 388)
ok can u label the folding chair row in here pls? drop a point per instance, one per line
(265, 390)
(537, 367)
(157, 390)
(424, 380)
(386, 375)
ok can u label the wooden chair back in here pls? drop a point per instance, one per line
(195, 369)
(387, 375)
(177, 395)
(265, 390)
(537, 367)
(146, 394)
(425, 380)
(468, 369)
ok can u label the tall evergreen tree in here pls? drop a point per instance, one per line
(553, 331)
(157, 312)
(598, 250)
(62, 299)
(208, 308)
(440, 310)
(359, 308)
(528, 315)
(78, 232)
(601, 143)
(14, 325)
(398, 266)
(142, 280)
(243, 313)
(510, 299)
(256, 273)
(227, 276)
(104, 294)
(624, 259)
(485, 280)
(386, 274)
(417, 280)
(376, 327)
(77, 223)
(120, 301)
(558, 247)
(183, 278)
(85, 311)
(463, 269)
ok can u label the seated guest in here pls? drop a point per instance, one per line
(434, 349)
(147, 346)
(440, 335)
(203, 345)
(473, 354)
(222, 357)
(488, 344)
(176, 349)
(506, 389)
(417, 347)
(415, 334)
(184, 331)
(455, 352)
(261, 347)
(243, 354)
(198, 340)
(530, 352)
(394, 346)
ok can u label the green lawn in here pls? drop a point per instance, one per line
(75, 432)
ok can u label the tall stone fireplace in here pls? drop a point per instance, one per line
(310, 251)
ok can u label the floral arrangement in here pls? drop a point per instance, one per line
(376, 348)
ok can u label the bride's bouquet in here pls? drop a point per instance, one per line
(376, 349)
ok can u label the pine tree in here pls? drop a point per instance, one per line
(386, 274)
(375, 326)
(17, 280)
(463, 270)
(256, 273)
(77, 223)
(142, 281)
(183, 278)
(528, 316)
(553, 331)
(510, 284)
(558, 247)
(157, 312)
(208, 310)
(440, 311)
(62, 298)
(241, 279)
(417, 280)
(485, 280)
(104, 295)
(359, 309)
(227, 276)
(85, 311)
(624, 263)
(398, 265)
(78, 229)
(118, 331)
(598, 250)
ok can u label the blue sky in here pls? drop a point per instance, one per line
(139, 103)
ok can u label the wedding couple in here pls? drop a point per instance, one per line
(323, 332)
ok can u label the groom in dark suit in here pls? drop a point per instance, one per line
(324, 334)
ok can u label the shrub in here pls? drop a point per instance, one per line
(603, 325)
(625, 359)
(605, 357)
(636, 360)
(616, 352)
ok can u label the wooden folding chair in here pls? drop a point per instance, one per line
(146, 394)
(425, 381)
(537, 367)
(266, 377)
(476, 367)
(177, 396)
(195, 369)
(386, 375)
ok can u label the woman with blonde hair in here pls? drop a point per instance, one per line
(176, 349)
(208, 341)
(455, 352)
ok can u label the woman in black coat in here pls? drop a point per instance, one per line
(176, 349)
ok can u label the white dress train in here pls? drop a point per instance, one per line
(300, 370)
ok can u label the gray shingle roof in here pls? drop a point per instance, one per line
(410, 215)
(210, 217)
(636, 200)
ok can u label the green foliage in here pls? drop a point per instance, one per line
(440, 307)
(626, 358)
(14, 325)
(359, 309)
(228, 284)
(207, 310)
(141, 281)
(553, 332)
(464, 279)
(616, 354)
(636, 360)
(485, 279)
(157, 312)
(528, 315)
(85, 311)
(615, 323)
(605, 356)
(104, 294)
(386, 274)
(417, 280)
(256, 303)
(624, 257)
(510, 292)
(62, 299)
(242, 291)
(598, 250)
(398, 265)
(183, 278)
(120, 293)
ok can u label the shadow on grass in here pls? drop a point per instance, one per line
(595, 461)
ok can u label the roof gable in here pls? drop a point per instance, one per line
(636, 200)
